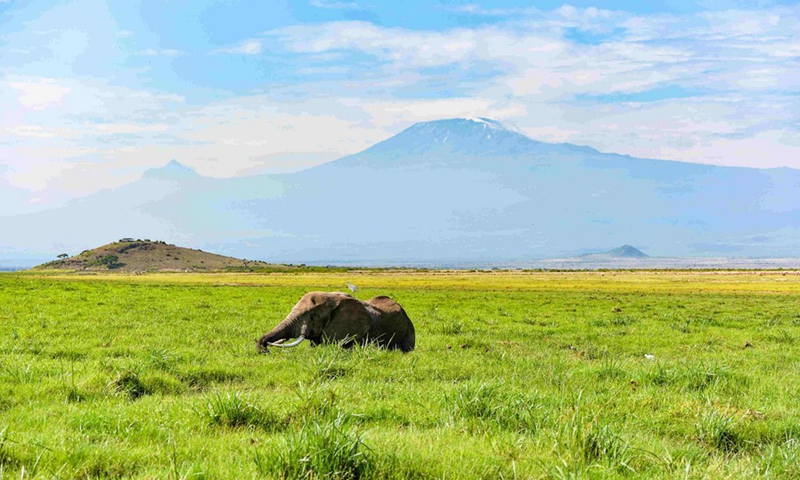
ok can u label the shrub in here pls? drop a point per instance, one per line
(492, 406)
(328, 450)
(718, 430)
(235, 411)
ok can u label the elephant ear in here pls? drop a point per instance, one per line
(349, 320)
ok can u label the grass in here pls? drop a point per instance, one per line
(515, 375)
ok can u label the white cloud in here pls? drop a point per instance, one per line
(721, 130)
(42, 167)
(394, 114)
(248, 47)
(61, 124)
(399, 46)
(335, 5)
(476, 9)
(587, 16)
(40, 94)
(152, 52)
(38, 131)
(645, 50)
(127, 128)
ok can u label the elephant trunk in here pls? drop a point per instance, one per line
(285, 330)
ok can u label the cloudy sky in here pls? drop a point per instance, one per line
(94, 92)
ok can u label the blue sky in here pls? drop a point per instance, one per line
(95, 92)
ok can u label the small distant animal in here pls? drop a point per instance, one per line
(352, 287)
(336, 317)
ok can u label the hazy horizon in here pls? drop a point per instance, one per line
(258, 99)
(449, 192)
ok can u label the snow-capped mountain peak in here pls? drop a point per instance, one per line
(487, 122)
(473, 135)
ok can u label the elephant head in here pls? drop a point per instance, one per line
(321, 317)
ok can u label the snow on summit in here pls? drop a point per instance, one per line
(487, 122)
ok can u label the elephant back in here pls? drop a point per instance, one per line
(391, 326)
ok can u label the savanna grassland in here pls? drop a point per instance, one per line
(515, 375)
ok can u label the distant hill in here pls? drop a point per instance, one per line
(626, 251)
(619, 253)
(129, 255)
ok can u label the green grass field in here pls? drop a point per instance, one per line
(515, 375)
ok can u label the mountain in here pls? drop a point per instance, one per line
(129, 255)
(448, 192)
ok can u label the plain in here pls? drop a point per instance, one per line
(515, 375)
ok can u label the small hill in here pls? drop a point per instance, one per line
(626, 251)
(619, 253)
(129, 255)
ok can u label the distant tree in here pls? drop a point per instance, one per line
(62, 256)
(110, 261)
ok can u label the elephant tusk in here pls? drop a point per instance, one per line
(287, 345)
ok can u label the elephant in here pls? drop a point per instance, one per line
(336, 317)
